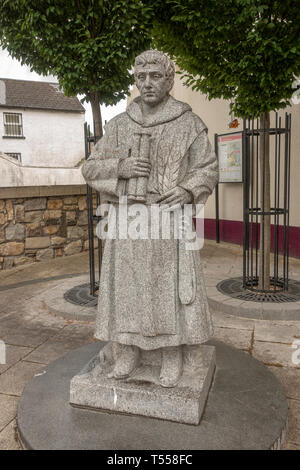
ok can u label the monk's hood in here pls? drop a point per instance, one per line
(171, 110)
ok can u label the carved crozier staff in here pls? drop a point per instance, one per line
(137, 187)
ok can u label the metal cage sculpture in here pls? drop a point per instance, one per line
(256, 218)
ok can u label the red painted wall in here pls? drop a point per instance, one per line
(231, 231)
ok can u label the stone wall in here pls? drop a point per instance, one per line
(41, 228)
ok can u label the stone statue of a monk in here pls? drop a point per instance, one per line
(151, 294)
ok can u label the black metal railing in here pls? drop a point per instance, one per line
(260, 217)
(93, 201)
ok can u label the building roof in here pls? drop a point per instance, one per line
(36, 95)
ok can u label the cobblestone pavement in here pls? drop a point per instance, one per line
(34, 336)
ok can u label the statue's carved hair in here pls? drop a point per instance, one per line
(156, 57)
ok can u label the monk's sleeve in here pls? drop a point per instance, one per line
(202, 172)
(101, 169)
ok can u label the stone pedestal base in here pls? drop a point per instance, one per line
(246, 409)
(141, 393)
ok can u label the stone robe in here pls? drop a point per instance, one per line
(152, 294)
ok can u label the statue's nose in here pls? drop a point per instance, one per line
(147, 81)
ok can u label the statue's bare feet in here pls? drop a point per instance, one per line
(171, 367)
(126, 363)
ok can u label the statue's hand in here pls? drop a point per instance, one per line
(133, 168)
(175, 196)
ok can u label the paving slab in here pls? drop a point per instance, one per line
(290, 379)
(78, 263)
(13, 355)
(224, 320)
(8, 437)
(210, 281)
(240, 339)
(8, 407)
(35, 311)
(61, 344)
(15, 379)
(27, 292)
(275, 354)
(82, 331)
(276, 332)
(293, 433)
(26, 309)
(18, 331)
(290, 446)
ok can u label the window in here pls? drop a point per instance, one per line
(13, 126)
(17, 156)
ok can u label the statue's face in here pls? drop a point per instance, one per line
(152, 83)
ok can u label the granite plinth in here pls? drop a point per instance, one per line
(246, 409)
(142, 394)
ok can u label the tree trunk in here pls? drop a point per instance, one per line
(265, 204)
(94, 98)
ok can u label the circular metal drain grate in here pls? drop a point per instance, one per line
(234, 288)
(80, 295)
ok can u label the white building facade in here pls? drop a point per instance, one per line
(39, 125)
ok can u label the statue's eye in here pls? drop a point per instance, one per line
(141, 77)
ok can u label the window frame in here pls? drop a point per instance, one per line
(18, 125)
(18, 157)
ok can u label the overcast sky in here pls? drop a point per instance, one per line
(12, 68)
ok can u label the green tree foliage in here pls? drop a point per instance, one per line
(89, 45)
(244, 50)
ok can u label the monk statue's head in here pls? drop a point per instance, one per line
(154, 76)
